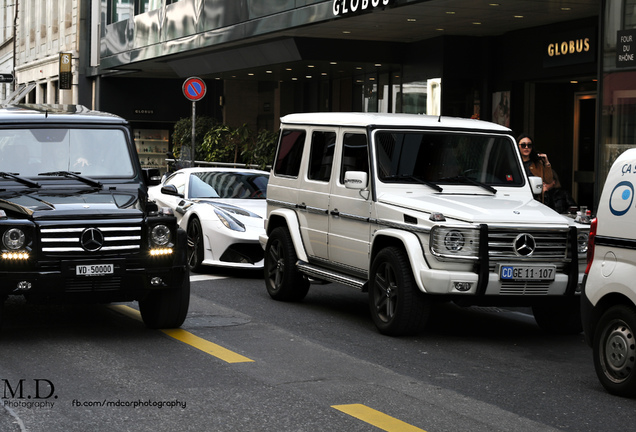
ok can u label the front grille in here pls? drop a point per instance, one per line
(66, 240)
(526, 288)
(95, 284)
(243, 253)
(550, 245)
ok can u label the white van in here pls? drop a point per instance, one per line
(608, 307)
(416, 209)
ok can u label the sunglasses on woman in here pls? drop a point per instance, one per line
(524, 145)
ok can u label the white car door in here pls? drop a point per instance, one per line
(350, 209)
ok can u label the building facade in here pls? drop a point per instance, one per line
(550, 69)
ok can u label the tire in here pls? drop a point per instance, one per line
(397, 306)
(282, 280)
(195, 245)
(614, 348)
(561, 318)
(167, 308)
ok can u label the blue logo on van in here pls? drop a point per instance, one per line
(621, 198)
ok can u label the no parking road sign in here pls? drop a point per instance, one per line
(194, 89)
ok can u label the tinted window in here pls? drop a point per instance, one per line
(290, 152)
(355, 155)
(321, 156)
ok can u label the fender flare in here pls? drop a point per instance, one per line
(412, 245)
(291, 221)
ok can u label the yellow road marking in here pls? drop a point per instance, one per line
(376, 418)
(190, 339)
(206, 346)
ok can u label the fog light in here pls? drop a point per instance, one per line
(156, 281)
(23, 286)
(161, 252)
(463, 286)
(15, 256)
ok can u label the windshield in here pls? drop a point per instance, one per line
(224, 184)
(90, 152)
(446, 158)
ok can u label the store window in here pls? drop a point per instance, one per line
(421, 97)
(617, 127)
(120, 10)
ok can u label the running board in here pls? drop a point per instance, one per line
(320, 273)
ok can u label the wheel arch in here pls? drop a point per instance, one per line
(287, 218)
(408, 242)
(606, 302)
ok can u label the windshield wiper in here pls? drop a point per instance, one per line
(74, 175)
(471, 181)
(430, 184)
(24, 181)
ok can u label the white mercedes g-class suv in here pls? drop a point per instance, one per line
(413, 209)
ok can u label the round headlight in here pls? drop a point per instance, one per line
(13, 239)
(582, 241)
(160, 235)
(454, 241)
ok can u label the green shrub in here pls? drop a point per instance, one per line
(221, 143)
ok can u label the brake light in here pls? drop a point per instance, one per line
(590, 245)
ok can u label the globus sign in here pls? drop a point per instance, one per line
(342, 7)
(194, 89)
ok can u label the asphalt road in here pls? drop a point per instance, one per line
(243, 362)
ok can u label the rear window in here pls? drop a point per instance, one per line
(290, 151)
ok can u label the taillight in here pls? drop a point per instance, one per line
(590, 245)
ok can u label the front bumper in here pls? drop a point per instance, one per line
(132, 277)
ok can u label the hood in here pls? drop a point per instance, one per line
(46, 203)
(500, 208)
(256, 206)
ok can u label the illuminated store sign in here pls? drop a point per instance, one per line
(570, 48)
(343, 7)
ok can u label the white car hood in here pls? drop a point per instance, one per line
(482, 208)
(258, 206)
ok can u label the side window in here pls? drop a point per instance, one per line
(355, 155)
(290, 151)
(321, 157)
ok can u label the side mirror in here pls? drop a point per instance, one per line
(357, 180)
(536, 184)
(171, 190)
(152, 176)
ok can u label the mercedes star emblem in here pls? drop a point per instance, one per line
(92, 239)
(524, 245)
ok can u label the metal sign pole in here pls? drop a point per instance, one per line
(194, 89)
(194, 115)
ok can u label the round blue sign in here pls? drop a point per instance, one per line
(194, 89)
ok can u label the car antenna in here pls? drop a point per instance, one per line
(439, 120)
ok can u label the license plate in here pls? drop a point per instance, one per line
(94, 270)
(532, 273)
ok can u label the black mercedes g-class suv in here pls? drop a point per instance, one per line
(75, 220)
